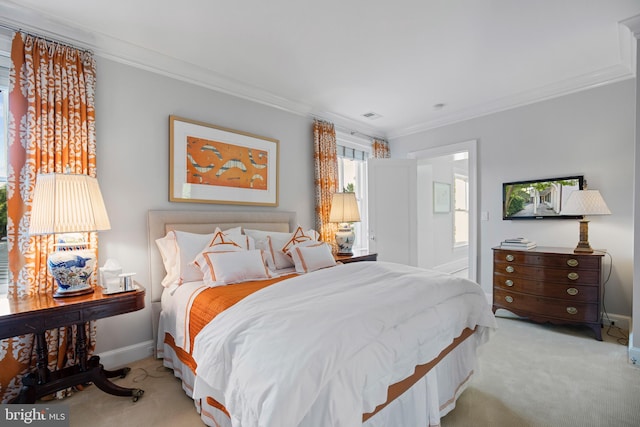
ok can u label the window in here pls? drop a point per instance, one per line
(461, 215)
(4, 98)
(352, 173)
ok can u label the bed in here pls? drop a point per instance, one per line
(326, 347)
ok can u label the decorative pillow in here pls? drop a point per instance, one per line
(178, 249)
(299, 236)
(310, 256)
(273, 244)
(266, 240)
(224, 268)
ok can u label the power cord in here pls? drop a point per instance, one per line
(141, 376)
(620, 336)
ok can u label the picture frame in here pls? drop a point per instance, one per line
(213, 164)
(441, 197)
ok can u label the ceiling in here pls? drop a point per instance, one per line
(417, 64)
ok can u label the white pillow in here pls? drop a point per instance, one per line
(310, 256)
(219, 243)
(273, 244)
(168, 251)
(189, 246)
(178, 249)
(270, 242)
(224, 268)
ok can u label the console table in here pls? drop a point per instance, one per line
(39, 313)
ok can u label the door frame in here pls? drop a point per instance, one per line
(471, 147)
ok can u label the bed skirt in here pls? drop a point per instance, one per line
(430, 398)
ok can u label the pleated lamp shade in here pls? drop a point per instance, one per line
(67, 203)
(344, 208)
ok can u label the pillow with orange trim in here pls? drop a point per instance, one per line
(311, 255)
(224, 268)
(178, 249)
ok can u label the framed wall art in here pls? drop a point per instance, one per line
(441, 197)
(212, 164)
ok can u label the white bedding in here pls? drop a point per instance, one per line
(322, 349)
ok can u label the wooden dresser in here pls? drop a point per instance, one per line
(549, 284)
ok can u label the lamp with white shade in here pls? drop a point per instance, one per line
(344, 210)
(63, 204)
(585, 202)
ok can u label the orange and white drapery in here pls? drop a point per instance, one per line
(380, 149)
(325, 158)
(51, 129)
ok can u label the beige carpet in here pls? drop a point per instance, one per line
(530, 375)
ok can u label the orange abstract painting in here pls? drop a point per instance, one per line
(218, 163)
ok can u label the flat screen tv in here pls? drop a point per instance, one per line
(539, 198)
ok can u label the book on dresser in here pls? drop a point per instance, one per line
(518, 243)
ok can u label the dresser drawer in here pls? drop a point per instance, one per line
(554, 290)
(560, 275)
(532, 258)
(549, 307)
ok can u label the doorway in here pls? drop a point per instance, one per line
(447, 232)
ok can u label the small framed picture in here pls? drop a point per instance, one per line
(212, 164)
(441, 197)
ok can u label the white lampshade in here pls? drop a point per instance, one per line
(344, 208)
(585, 202)
(67, 203)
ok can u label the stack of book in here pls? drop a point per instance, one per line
(518, 243)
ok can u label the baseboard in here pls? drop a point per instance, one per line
(623, 322)
(123, 356)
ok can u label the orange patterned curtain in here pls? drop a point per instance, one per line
(380, 149)
(325, 159)
(51, 127)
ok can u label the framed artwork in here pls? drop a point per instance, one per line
(441, 197)
(212, 164)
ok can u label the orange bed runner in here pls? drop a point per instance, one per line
(211, 302)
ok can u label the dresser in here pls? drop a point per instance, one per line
(549, 284)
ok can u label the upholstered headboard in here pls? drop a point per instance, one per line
(160, 222)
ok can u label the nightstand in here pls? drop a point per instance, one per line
(37, 314)
(356, 257)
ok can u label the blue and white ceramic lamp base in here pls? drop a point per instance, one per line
(72, 270)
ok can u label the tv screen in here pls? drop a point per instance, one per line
(539, 198)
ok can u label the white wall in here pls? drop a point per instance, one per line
(589, 133)
(133, 108)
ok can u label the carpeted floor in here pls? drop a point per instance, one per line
(529, 376)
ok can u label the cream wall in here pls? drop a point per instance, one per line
(589, 133)
(132, 108)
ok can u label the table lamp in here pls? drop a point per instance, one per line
(585, 202)
(344, 209)
(63, 204)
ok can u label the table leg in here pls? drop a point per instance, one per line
(42, 360)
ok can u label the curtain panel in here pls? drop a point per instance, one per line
(325, 159)
(380, 149)
(51, 129)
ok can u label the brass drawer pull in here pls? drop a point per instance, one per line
(572, 310)
(508, 282)
(572, 262)
(572, 291)
(573, 276)
(508, 298)
(510, 257)
(510, 269)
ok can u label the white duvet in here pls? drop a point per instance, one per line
(322, 348)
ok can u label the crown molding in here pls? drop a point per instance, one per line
(18, 17)
(598, 78)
